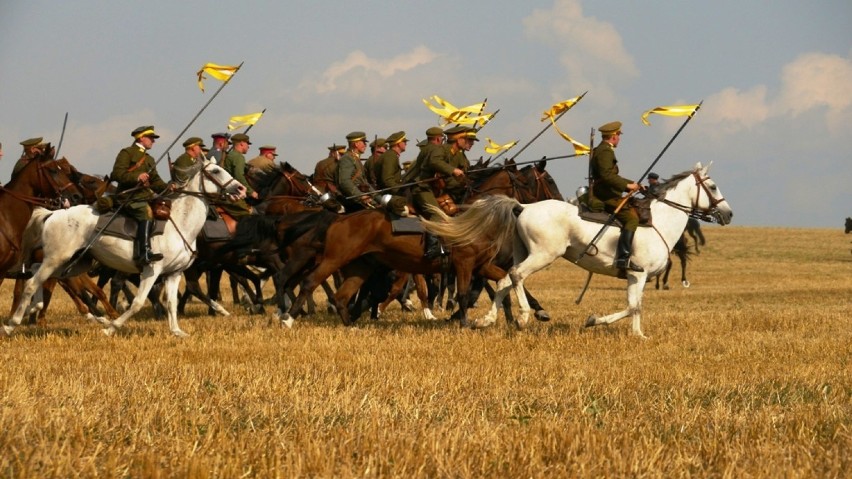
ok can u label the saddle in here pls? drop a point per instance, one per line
(406, 225)
(642, 207)
(124, 227)
(220, 226)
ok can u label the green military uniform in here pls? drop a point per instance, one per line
(373, 165)
(326, 169)
(351, 180)
(261, 170)
(181, 166)
(608, 186)
(129, 164)
(441, 160)
(235, 164)
(26, 155)
(413, 172)
(389, 174)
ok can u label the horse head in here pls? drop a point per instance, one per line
(45, 177)
(210, 179)
(706, 200)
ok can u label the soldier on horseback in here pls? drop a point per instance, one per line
(135, 172)
(350, 178)
(607, 187)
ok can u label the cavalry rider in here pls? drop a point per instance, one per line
(351, 180)
(372, 166)
(448, 163)
(261, 169)
(434, 137)
(326, 169)
(193, 153)
(654, 185)
(220, 147)
(389, 172)
(607, 187)
(135, 172)
(32, 148)
(235, 164)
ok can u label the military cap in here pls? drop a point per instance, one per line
(422, 143)
(337, 147)
(378, 143)
(356, 136)
(31, 142)
(143, 131)
(192, 141)
(221, 135)
(240, 137)
(610, 128)
(653, 176)
(434, 131)
(460, 131)
(407, 164)
(397, 137)
(268, 148)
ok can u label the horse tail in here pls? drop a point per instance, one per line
(491, 218)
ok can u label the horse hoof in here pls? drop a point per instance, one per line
(591, 321)
(685, 283)
(666, 287)
(287, 321)
(109, 331)
(542, 315)
(180, 333)
(8, 330)
(408, 305)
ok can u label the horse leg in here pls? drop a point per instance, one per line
(635, 283)
(329, 294)
(171, 283)
(669, 264)
(405, 297)
(31, 287)
(540, 313)
(684, 259)
(146, 282)
(396, 289)
(87, 284)
(423, 295)
(193, 288)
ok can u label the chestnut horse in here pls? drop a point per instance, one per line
(369, 233)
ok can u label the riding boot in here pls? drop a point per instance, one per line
(432, 246)
(143, 243)
(623, 252)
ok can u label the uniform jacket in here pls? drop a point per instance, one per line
(235, 164)
(350, 175)
(608, 184)
(389, 172)
(129, 164)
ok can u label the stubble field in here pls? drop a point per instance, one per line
(745, 374)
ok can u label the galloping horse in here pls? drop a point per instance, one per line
(369, 232)
(64, 233)
(550, 229)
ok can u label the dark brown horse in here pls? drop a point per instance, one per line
(369, 233)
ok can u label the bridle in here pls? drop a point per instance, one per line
(49, 177)
(709, 214)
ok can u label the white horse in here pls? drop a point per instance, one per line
(65, 232)
(549, 229)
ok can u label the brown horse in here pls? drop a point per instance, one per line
(369, 233)
(42, 182)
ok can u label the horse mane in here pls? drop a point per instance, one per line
(671, 182)
(469, 227)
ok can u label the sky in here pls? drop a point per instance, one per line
(775, 79)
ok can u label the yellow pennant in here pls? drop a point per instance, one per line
(558, 109)
(675, 110)
(494, 148)
(243, 120)
(449, 113)
(219, 72)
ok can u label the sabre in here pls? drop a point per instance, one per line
(61, 137)
(611, 218)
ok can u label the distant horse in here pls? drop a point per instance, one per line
(681, 250)
(66, 232)
(369, 232)
(693, 229)
(848, 224)
(550, 229)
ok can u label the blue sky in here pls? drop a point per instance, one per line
(775, 78)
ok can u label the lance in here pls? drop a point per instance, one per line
(546, 127)
(611, 218)
(61, 137)
(79, 254)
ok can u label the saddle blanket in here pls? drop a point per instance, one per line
(216, 229)
(123, 226)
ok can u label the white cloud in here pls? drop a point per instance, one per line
(357, 70)
(591, 51)
(732, 110)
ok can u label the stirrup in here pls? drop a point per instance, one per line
(626, 264)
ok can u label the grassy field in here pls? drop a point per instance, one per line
(748, 373)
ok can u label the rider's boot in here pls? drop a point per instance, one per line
(623, 252)
(432, 246)
(144, 255)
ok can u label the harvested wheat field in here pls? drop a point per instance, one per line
(748, 373)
